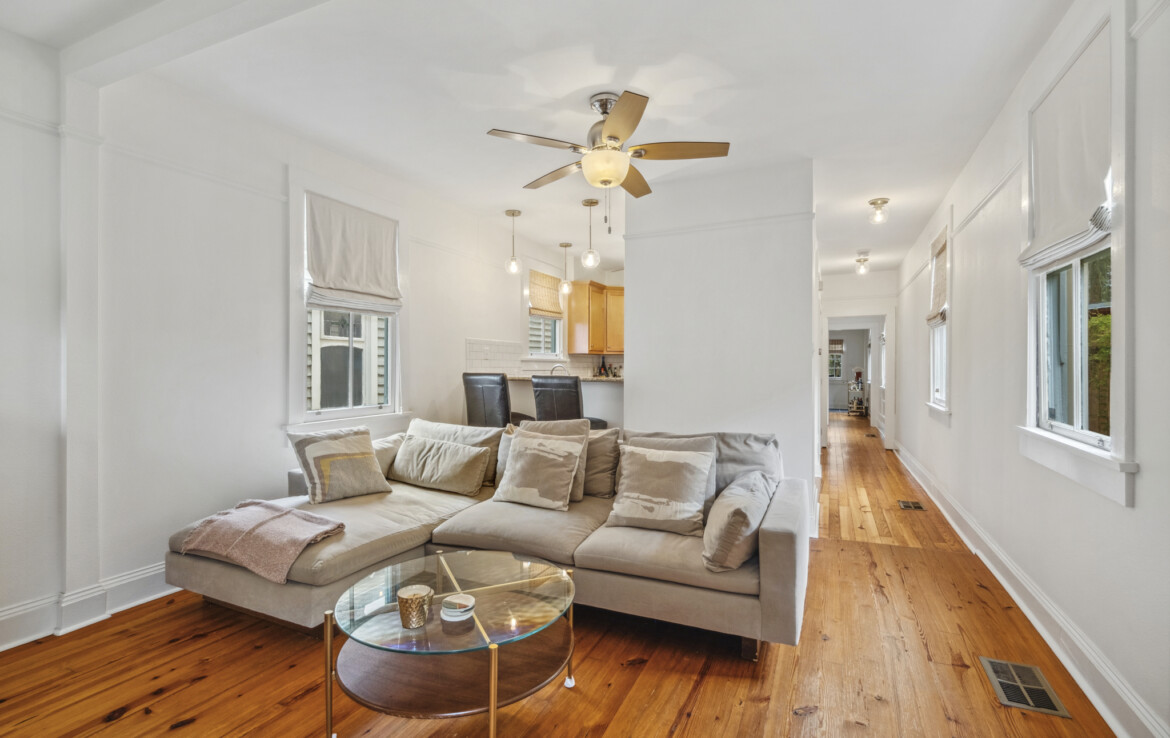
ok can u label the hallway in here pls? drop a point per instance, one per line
(899, 612)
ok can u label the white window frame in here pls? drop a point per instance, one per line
(381, 419)
(840, 365)
(938, 364)
(938, 349)
(1108, 472)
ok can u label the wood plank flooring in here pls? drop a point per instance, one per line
(898, 613)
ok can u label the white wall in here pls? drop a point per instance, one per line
(30, 301)
(719, 309)
(1093, 575)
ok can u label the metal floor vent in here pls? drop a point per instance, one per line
(1023, 686)
(910, 505)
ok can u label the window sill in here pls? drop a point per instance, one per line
(939, 413)
(1098, 470)
(379, 423)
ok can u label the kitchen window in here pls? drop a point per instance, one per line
(543, 335)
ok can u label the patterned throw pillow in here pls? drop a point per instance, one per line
(733, 526)
(579, 427)
(338, 464)
(681, 443)
(540, 470)
(661, 489)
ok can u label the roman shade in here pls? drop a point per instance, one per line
(544, 295)
(1071, 147)
(836, 345)
(352, 258)
(938, 281)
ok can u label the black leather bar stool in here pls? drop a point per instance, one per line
(559, 398)
(489, 404)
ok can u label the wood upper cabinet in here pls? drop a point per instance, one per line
(595, 319)
(615, 320)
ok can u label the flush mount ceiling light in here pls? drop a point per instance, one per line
(590, 259)
(862, 262)
(566, 285)
(603, 162)
(879, 214)
(513, 265)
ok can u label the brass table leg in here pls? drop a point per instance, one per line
(328, 673)
(569, 680)
(494, 655)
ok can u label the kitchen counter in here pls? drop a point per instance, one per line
(528, 378)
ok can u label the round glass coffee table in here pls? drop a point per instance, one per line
(452, 668)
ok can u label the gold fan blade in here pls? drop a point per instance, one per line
(635, 183)
(680, 150)
(624, 117)
(554, 175)
(538, 140)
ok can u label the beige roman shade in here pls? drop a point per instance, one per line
(836, 345)
(352, 258)
(544, 295)
(938, 280)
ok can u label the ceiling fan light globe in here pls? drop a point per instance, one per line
(605, 168)
(512, 266)
(590, 259)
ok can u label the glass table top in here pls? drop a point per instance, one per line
(515, 596)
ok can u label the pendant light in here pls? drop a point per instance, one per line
(879, 214)
(513, 265)
(590, 259)
(566, 285)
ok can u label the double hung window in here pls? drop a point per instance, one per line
(545, 315)
(936, 320)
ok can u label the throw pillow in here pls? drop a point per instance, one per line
(732, 534)
(385, 449)
(488, 438)
(338, 464)
(661, 489)
(692, 443)
(505, 449)
(442, 465)
(540, 470)
(601, 462)
(566, 428)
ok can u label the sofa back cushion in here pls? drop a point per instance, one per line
(441, 465)
(488, 438)
(735, 453)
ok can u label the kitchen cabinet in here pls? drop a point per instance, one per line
(595, 319)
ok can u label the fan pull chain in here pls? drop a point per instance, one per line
(608, 226)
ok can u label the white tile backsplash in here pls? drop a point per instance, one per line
(510, 357)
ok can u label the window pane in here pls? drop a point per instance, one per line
(1059, 343)
(1097, 288)
(343, 370)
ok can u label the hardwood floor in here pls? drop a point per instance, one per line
(898, 613)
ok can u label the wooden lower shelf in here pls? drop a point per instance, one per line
(451, 685)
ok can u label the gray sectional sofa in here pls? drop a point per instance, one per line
(642, 572)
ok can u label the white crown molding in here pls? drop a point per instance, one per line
(133, 153)
(723, 225)
(1144, 23)
(28, 121)
(1119, 704)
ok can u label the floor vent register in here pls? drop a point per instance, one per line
(1023, 686)
(910, 505)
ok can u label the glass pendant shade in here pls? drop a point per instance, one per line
(566, 287)
(862, 267)
(590, 259)
(604, 167)
(879, 215)
(513, 265)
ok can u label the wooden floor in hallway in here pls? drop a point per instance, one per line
(898, 614)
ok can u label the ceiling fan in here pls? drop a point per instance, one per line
(603, 161)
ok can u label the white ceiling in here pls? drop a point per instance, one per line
(889, 100)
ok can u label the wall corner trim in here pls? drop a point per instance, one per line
(1117, 701)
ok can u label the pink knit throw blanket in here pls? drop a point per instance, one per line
(261, 536)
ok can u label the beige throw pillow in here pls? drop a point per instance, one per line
(540, 470)
(488, 438)
(601, 462)
(661, 489)
(578, 427)
(442, 465)
(732, 534)
(691, 443)
(338, 464)
(385, 449)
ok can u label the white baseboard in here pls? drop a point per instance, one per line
(63, 613)
(1119, 704)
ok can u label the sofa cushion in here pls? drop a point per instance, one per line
(735, 453)
(488, 438)
(541, 469)
(377, 527)
(690, 443)
(601, 462)
(662, 489)
(733, 529)
(549, 534)
(338, 463)
(434, 464)
(660, 555)
(385, 449)
(579, 427)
